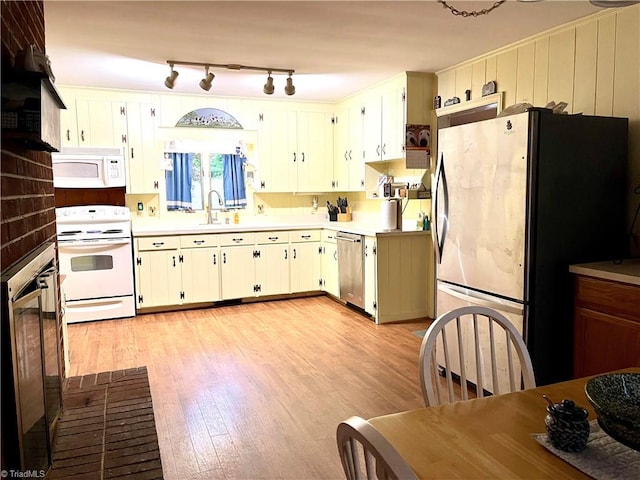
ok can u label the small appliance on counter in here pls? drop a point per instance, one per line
(391, 214)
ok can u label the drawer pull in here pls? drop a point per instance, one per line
(198, 242)
(273, 239)
(157, 244)
(306, 237)
(238, 240)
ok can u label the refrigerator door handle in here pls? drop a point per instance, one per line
(440, 231)
(468, 296)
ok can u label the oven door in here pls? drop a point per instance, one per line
(96, 268)
(98, 282)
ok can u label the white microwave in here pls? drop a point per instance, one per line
(81, 167)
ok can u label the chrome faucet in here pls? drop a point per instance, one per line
(212, 213)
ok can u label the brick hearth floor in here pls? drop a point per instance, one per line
(107, 429)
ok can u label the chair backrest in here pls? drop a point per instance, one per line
(475, 346)
(360, 444)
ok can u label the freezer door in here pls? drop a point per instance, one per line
(480, 205)
(450, 297)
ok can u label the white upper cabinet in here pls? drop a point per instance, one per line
(294, 149)
(389, 107)
(143, 155)
(99, 121)
(348, 163)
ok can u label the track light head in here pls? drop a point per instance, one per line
(205, 83)
(289, 89)
(170, 81)
(268, 87)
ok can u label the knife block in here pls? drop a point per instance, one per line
(345, 217)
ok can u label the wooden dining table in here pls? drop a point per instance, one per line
(487, 437)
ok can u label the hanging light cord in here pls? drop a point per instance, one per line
(474, 13)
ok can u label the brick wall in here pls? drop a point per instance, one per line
(26, 178)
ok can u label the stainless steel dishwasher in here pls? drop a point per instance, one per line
(351, 267)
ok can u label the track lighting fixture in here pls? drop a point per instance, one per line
(170, 81)
(289, 89)
(268, 87)
(205, 83)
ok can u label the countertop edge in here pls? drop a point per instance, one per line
(151, 231)
(605, 274)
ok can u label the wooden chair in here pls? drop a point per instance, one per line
(359, 443)
(475, 344)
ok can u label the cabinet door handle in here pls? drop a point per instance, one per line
(349, 154)
(155, 184)
(294, 254)
(68, 134)
(262, 184)
(286, 254)
(378, 150)
(224, 258)
(131, 152)
(335, 255)
(294, 156)
(303, 156)
(82, 135)
(215, 260)
(123, 138)
(174, 260)
(384, 148)
(346, 152)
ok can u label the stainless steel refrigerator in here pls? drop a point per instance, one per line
(517, 200)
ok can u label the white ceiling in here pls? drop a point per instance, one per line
(335, 47)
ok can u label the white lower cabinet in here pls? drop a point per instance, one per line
(157, 271)
(370, 276)
(304, 260)
(237, 270)
(200, 268)
(329, 263)
(272, 263)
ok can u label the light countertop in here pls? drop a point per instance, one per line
(625, 271)
(149, 228)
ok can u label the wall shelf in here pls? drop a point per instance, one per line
(31, 110)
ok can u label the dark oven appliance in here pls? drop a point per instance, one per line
(31, 365)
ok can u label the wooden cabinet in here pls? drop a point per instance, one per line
(304, 263)
(200, 268)
(606, 326)
(348, 160)
(157, 271)
(143, 156)
(329, 263)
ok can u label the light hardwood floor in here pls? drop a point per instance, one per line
(255, 391)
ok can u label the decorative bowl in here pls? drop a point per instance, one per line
(616, 400)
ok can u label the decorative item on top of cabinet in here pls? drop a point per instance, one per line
(489, 88)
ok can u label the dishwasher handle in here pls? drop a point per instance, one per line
(349, 237)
